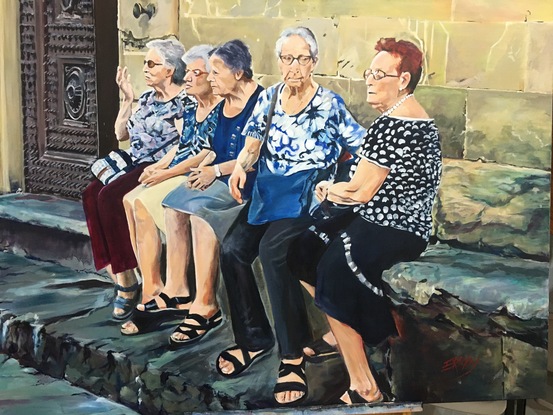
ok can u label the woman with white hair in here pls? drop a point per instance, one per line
(143, 204)
(309, 129)
(149, 125)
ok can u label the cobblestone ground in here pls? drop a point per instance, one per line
(24, 391)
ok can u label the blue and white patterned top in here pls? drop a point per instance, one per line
(311, 139)
(153, 124)
(300, 151)
(195, 135)
(410, 149)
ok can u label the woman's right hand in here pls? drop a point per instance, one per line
(123, 80)
(321, 190)
(236, 182)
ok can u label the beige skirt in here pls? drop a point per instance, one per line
(152, 196)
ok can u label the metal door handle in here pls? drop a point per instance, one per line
(139, 10)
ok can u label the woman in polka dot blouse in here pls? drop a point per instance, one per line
(391, 193)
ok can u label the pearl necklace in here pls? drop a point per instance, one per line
(396, 105)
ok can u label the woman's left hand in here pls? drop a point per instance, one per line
(321, 190)
(201, 177)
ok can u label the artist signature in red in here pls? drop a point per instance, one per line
(460, 365)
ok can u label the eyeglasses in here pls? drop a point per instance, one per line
(289, 59)
(151, 64)
(195, 72)
(377, 74)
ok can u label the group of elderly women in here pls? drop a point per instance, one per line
(247, 177)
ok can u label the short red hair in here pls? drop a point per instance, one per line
(409, 54)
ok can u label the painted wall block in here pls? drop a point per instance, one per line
(164, 20)
(417, 9)
(448, 108)
(519, 378)
(492, 207)
(510, 128)
(491, 55)
(358, 36)
(260, 35)
(539, 71)
(502, 10)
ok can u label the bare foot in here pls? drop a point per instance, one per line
(328, 338)
(227, 367)
(204, 311)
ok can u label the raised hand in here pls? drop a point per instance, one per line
(123, 80)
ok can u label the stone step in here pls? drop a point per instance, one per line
(45, 227)
(57, 320)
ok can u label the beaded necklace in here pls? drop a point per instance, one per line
(396, 105)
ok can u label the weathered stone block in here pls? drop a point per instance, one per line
(494, 207)
(486, 282)
(539, 71)
(519, 379)
(486, 55)
(509, 128)
(502, 10)
(448, 108)
(163, 22)
(260, 35)
(418, 9)
(438, 359)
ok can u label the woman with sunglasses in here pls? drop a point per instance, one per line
(393, 190)
(149, 125)
(143, 204)
(309, 129)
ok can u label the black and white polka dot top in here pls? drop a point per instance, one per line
(410, 148)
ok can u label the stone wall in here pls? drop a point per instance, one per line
(488, 68)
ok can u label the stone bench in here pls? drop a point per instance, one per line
(472, 311)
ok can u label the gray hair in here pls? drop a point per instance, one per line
(171, 51)
(303, 32)
(198, 52)
(236, 55)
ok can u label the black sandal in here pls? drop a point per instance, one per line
(193, 330)
(126, 304)
(355, 397)
(323, 351)
(286, 369)
(239, 366)
(152, 316)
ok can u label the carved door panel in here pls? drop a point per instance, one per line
(69, 58)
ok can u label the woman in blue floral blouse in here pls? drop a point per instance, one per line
(147, 125)
(309, 129)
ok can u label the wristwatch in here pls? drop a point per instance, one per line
(217, 170)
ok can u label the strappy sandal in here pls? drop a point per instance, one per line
(239, 366)
(193, 330)
(323, 351)
(355, 397)
(153, 316)
(286, 369)
(125, 304)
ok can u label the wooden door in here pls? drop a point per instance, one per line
(69, 57)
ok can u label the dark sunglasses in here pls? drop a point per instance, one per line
(151, 64)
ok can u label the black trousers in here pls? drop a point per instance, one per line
(270, 241)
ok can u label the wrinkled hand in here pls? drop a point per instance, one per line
(201, 177)
(123, 80)
(154, 177)
(321, 190)
(236, 182)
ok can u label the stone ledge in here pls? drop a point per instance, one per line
(45, 211)
(57, 320)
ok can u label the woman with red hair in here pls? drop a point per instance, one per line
(390, 195)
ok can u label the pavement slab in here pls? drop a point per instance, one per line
(58, 320)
